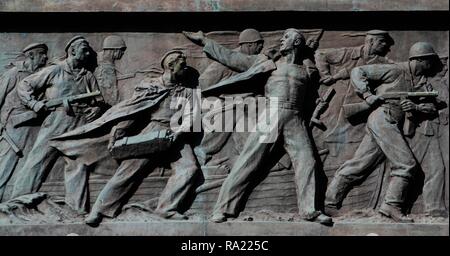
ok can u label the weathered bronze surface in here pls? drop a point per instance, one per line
(297, 124)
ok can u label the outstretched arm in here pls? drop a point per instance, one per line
(233, 59)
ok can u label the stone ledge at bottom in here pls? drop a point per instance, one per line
(234, 228)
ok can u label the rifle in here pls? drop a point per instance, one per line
(353, 109)
(4, 135)
(320, 107)
(20, 119)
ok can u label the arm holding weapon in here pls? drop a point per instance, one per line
(408, 106)
(321, 106)
(327, 79)
(45, 105)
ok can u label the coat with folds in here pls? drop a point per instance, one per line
(89, 144)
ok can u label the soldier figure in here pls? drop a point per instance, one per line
(288, 82)
(425, 143)
(15, 139)
(59, 81)
(335, 65)
(250, 43)
(113, 49)
(440, 83)
(151, 102)
(384, 137)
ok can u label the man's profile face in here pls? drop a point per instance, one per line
(380, 46)
(179, 66)
(256, 47)
(252, 48)
(119, 53)
(82, 52)
(288, 41)
(424, 65)
(40, 57)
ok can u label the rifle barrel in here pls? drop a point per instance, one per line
(70, 99)
(393, 95)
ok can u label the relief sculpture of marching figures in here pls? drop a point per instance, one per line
(292, 125)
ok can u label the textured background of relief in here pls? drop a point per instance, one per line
(149, 38)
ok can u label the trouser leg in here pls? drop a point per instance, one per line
(214, 140)
(76, 184)
(444, 146)
(42, 156)
(250, 160)
(112, 196)
(354, 170)
(403, 164)
(8, 163)
(434, 184)
(185, 170)
(299, 148)
(38, 163)
(212, 143)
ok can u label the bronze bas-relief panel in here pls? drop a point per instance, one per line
(275, 192)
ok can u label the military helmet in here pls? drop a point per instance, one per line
(250, 35)
(114, 42)
(421, 49)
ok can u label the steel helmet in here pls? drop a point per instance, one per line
(114, 42)
(250, 35)
(421, 49)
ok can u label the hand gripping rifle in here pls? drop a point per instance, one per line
(353, 109)
(20, 119)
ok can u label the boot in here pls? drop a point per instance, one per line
(323, 219)
(172, 215)
(94, 219)
(331, 211)
(395, 214)
(218, 218)
(336, 192)
(178, 216)
(319, 217)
